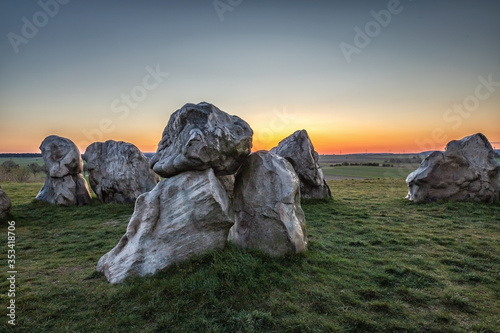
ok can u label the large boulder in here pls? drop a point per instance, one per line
(299, 151)
(5, 205)
(268, 215)
(199, 137)
(118, 171)
(466, 171)
(64, 184)
(182, 216)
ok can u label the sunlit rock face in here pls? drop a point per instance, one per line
(299, 151)
(118, 171)
(268, 215)
(465, 171)
(182, 216)
(201, 136)
(5, 205)
(64, 184)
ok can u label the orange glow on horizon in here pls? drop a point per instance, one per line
(338, 141)
(324, 145)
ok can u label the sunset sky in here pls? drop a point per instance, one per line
(359, 76)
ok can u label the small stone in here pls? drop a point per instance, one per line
(5, 205)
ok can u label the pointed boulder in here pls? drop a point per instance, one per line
(299, 151)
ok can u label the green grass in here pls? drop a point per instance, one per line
(376, 263)
(369, 171)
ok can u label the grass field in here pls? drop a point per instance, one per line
(376, 263)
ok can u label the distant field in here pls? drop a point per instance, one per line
(401, 165)
(23, 160)
(375, 263)
(369, 172)
(398, 171)
(367, 158)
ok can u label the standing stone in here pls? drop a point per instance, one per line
(268, 215)
(466, 171)
(64, 184)
(118, 171)
(182, 216)
(199, 137)
(5, 205)
(299, 151)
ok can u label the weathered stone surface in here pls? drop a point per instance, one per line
(118, 171)
(199, 137)
(64, 184)
(308, 191)
(466, 171)
(182, 216)
(268, 215)
(299, 151)
(228, 183)
(69, 190)
(5, 205)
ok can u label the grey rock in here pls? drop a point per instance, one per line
(322, 192)
(118, 171)
(64, 184)
(228, 183)
(268, 215)
(299, 151)
(199, 137)
(5, 205)
(69, 190)
(466, 171)
(182, 216)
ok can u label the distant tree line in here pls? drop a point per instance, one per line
(414, 159)
(13, 155)
(11, 171)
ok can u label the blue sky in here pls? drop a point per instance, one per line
(276, 64)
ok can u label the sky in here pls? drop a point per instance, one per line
(359, 76)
